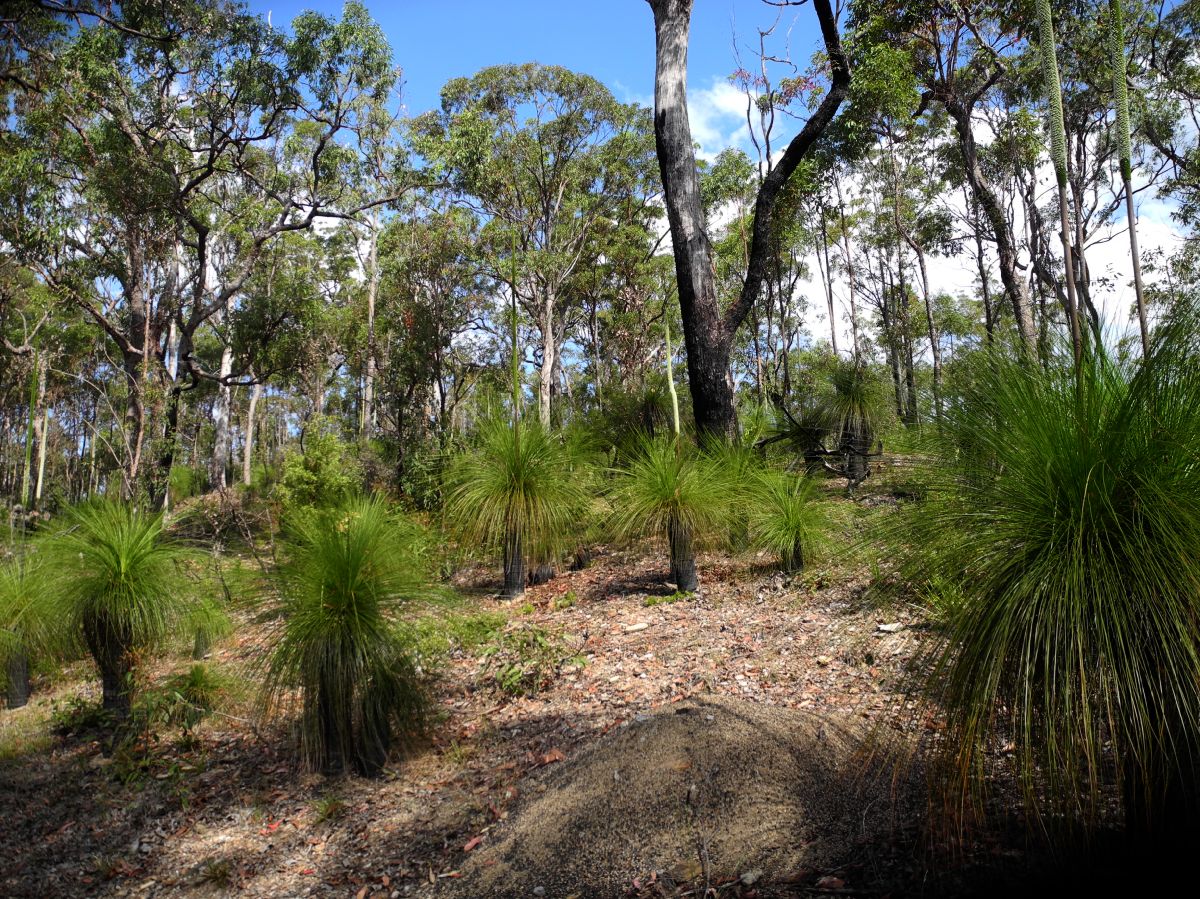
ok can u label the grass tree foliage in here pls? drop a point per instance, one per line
(784, 517)
(349, 571)
(1067, 519)
(26, 627)
(119, 583)
(669, 489)
(521, 491)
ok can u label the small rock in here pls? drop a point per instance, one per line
(539, 891)
(891, 628)
(823, 661)
(634, 628)
(751, 877)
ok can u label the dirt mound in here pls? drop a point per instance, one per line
(742, 789)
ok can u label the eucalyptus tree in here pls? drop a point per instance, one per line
(959, 54)
(163, 160)
(433, 299)
(708, 330)
(548, 158)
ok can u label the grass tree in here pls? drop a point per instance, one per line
(348, 573)
(853, 412)
(668, 489)
(26, 624)
(520, 490)
(1066, 514)
(784, 517)
(119, 583)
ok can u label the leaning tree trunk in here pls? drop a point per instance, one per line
(683, 557)
(989, 204)
(514, 564)
(17, 673)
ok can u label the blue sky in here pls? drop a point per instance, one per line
(612, 40)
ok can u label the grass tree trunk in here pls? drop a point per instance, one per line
(374, 740)
(334, 724)
(683, 557)
(514, 565)
(792, 561)
(111, 651)
(17, 680)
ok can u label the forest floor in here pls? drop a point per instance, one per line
(613, 654)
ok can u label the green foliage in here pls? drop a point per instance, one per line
(325, 474)
(328, 808)
(669, 483)
(349, 570)
(122, 586)
(521, 479)
(567, 601)
(1061, 537)
(434, 636)
(186, 482)
(525, 660)
(784, 517)
(668, 600)
(27, 622)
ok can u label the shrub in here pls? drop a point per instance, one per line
(324, 475)
(26, 624)
(783, 516)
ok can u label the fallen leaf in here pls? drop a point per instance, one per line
(472, 843)
(554, 755)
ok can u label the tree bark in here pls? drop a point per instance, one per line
(683, 558)
(514, 565)
(17, 680)
(368, 422)
(248, 449)
(109, 647)
(708, 333)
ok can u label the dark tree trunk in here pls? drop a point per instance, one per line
(200, 647)
(110, 647)
(541, 574)
(989, 204)
(793, 560)
(334, 727)
(374, 741)
(514, 565)
(683, 558)
(708, 333)
(17, 680)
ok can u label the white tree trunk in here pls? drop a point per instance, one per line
(221, 410)
(248, 449)
(549, 351)
(368, 423)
